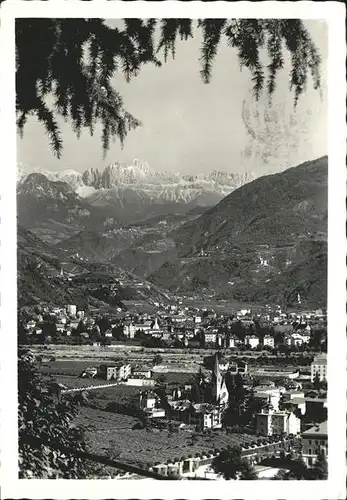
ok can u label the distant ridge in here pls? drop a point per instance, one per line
(266, 240)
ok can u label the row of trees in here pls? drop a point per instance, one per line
(230, 464)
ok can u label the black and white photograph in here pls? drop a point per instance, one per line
(171, 207)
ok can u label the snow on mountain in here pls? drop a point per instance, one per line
(137, 181)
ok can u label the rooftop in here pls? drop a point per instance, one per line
(319, 429)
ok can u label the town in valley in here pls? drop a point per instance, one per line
(178, 371)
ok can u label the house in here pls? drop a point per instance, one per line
(210, 337)
(292, 394)
(314, 441)
(139, 381)
(231, 342)
(295, 404)
(142, 372)
(129, 330)
(319, 366)
(91, 371)
(271, 422)
(118, 371)
(71, 310)
(252, 341)
(268, 398)
(206, 416)
(148, 400)
(201, 415)
(298, 339)
(268, 340)
(142, 327)
(223, 364)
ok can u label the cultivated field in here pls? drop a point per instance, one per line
(112, 433)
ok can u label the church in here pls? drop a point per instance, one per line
(212, 390)
(220, 394)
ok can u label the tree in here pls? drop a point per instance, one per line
(72, 62)
(317, 382)
(158, 359)
(44, 422)
(230, 464)
(320, 469)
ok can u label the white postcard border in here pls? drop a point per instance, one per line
(334, 14)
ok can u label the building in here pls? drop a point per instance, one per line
(319, 366)
(231, 342)
(268, 398)
(210, 337)
(71, 310)
(252, 341)
(201, 415)
(298, 339)
(143, 372)
(271, 422)
(138, 381)
(220, 393)
(292, 394)
(118, 371)
(142, 327)
(129, 330)
(223, 364)
(147, 400)
(314, 441)
(268, 340)
(295, 404)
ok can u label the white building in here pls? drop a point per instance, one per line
(138, 381)
(269, 341)
(270, 422)
(298, 339)
(210, 337)
(232, 342)
(71, 310)
(319, 366)
(252, 341)
(118, 371)
(129, 330)
(142, 372)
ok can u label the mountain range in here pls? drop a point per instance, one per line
(264, 240)
(56, 205)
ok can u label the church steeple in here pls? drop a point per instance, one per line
(219, 389)
(216, 370)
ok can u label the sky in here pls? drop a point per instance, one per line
(190, 127)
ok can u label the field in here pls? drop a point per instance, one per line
(112, 433)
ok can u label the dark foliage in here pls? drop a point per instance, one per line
(71, 64)
(44, 419)
(230, 464)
